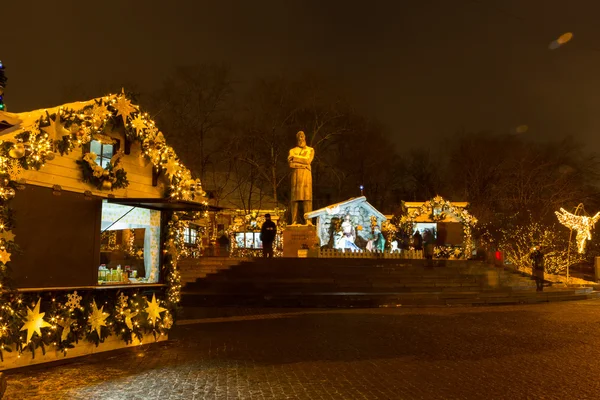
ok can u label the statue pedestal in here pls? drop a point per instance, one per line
(295, 236)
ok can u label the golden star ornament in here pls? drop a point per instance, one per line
(97, 318)
(34, 322)
(56, 131)
(7, 236)
(154, 310)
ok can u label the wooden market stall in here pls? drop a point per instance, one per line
(92, 207)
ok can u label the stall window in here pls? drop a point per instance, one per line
(130, 245)
(190, 235)
(103, 151)
(248, 240)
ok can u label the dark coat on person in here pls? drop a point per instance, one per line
(418, 241)
(268, 231)
(537, 263)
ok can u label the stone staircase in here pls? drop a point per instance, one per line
(315, 282)
(191, 269)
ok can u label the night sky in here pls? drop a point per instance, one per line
(426, 69)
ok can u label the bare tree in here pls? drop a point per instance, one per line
(194, 107)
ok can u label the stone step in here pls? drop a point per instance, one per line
(378, 300)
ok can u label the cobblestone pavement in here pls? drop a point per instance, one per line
(544, 351)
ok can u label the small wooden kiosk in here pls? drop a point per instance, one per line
(92, 213)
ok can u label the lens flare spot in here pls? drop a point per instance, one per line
(564, 38)
(522, 128)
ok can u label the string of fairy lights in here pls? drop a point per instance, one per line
(36, 320)
(445, 207)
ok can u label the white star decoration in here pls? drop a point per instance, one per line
(154, 310)
(101, 111)
(4, 256)
(582, 224)
(34, 322)
(97, 318)
(172, 167)
(56, 131)
(124, 107)
(138, 123)
(7, 236)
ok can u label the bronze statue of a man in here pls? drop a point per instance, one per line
(299, 160)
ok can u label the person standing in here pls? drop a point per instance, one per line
(429, 240)
(418, 240)
(268, 231)
(537, 268)
(223, 245)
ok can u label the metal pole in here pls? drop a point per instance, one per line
(579, 206)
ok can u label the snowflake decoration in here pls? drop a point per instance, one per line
(14, 169)
(74, 300)
(123, 300)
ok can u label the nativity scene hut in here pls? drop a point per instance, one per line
(93, 206)
(351, 225)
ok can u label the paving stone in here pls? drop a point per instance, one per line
(535, 351)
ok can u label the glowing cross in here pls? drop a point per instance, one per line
(582, 224)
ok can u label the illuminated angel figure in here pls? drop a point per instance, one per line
(582, 224)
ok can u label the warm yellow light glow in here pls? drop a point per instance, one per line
(34, 322)
(564, 38)
(580, 223)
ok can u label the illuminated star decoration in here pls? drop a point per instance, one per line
(154, 310)
(34, 322)
(159, 138)
(66, 325)
(124, 107)
(8, 236)
(56, 130)
(4, 256)
(582, 224)
(172, 167)
(97, 318)
(138, 123)
(101, 111)
(128, 316)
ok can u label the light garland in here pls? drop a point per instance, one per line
(438, 203)
(516, 243)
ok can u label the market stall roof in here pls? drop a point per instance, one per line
(164, 204)
(339, 207)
